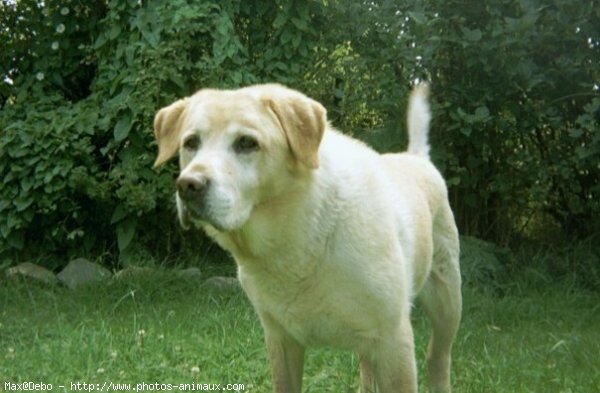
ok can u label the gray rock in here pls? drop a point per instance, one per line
(81, 271)
(133, 272)
(222, 284)
(191, 273)
(32, 271)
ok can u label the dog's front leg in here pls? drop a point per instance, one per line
(367, 376)
(286, 357)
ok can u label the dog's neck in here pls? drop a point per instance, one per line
(261, 242)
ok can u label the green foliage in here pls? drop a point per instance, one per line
(514, 81)
(482, 263)
(515, 88)
(42, 47)
(77, 107)
(515, 96)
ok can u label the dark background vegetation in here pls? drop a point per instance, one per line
(515, 91)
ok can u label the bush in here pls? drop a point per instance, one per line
(515, 98)
(76, 150)
(519, 92)
(482, 264)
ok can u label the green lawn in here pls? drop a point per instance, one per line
(162, 329)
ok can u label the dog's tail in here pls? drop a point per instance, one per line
(418, 119)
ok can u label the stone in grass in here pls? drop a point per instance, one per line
(191, 273)
(81, 271)
(222, 284)
(133, 272)
(32, 271)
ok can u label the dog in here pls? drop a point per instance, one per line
(333, 241)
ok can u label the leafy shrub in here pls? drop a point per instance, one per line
(482, 264)
(515, 99)
(76, 150)
(515, 80)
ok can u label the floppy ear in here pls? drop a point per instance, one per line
(303, 120)
(167, 129)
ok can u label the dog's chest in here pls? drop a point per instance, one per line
(315, 311)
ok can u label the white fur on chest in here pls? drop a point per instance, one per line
(333, 269)
(326, 306)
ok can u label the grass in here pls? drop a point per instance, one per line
(167, 330)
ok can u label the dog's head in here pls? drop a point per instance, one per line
(237, 149)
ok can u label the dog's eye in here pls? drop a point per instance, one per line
(192, 142)
(245, 144)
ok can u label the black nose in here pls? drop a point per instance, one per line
(191, 187)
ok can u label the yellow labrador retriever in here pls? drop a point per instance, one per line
(333, 241)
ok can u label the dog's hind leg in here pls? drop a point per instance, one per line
(442, 300)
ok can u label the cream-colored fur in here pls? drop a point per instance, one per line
(333, 241)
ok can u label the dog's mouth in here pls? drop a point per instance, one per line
(195, 210)
(192, 213)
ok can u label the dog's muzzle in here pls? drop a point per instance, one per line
(198, 202)
(192, 190)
